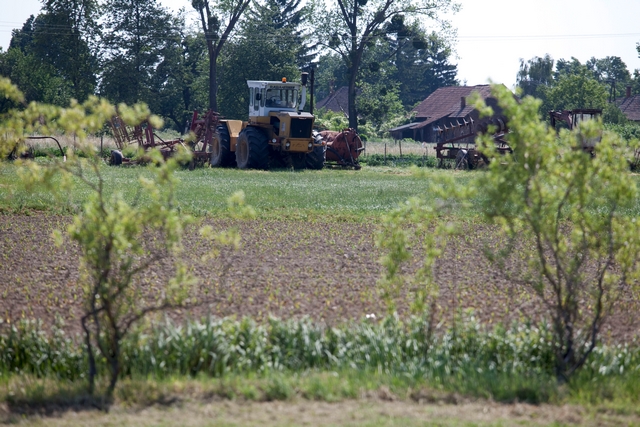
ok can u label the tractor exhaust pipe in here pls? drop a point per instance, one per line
(303, 101)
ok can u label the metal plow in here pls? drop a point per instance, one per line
(143, 136)
(204, 131)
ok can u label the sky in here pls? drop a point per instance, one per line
(493, 35)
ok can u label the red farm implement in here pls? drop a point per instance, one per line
(343, 148)
(456, 141)
(143, 137)
(204, 131)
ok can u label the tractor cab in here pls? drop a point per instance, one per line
(268, 96)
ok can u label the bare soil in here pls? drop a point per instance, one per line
(288, 269)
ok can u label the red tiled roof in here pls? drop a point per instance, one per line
(446, 101)
(630, 107)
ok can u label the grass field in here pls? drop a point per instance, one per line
(330, 193)
(274, 194)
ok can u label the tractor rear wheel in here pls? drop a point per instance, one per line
(221, 154)
(316, 158)
(252, 149)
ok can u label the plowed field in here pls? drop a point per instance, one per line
(324, 270)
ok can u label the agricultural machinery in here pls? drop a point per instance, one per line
(141, 135)
(278, 132)
(456, 141)
(572, 119)
(342, 148)
(203, 128)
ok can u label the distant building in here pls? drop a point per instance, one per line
(337, 101)
(446, 115)
(630, 105)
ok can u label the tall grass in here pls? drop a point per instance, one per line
(503, 363)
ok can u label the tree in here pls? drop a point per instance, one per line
(575, 91)
(564, 227)
(534, 73)
(353, 26)
(64, 35)
(37, 79)
(138, 36)
(177, 78)
(571, 239)
(611, 71)
(37, 76)
(218, 24)
(421, 61)
(286, 23)
(331, 74)
(377, 103)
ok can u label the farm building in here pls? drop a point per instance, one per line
(337, 101)
(630, 106)
(446, 115)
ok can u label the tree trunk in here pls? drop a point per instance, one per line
(91, 357)
(353, 114)
(213, 81)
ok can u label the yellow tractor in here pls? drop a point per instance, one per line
(278, 133)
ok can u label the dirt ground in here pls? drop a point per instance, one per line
(327, 271)
(363, 412)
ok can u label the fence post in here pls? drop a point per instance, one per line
(385, 153)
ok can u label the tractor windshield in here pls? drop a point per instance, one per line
(282, 97)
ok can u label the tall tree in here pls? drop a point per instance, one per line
(36, 76)
(65, 36)
(534, 73)
(421, 61)
(353, 26)
(138, 35)
(612, 71)
(218, 23)
(287, 22)
(176, 78)
(569, 67)
(56, 48)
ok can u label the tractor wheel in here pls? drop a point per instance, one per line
(315, 159)
(221, 154)
(252, 149)
(116, 158)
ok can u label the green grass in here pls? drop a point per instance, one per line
(330, 194)
(333, 193)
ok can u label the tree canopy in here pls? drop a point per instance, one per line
(572, 84)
